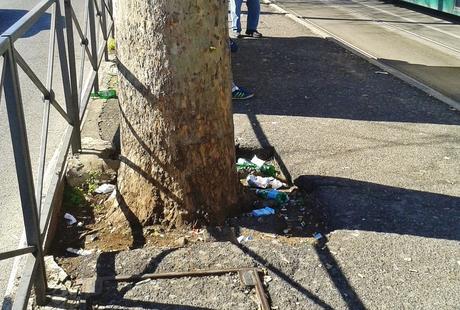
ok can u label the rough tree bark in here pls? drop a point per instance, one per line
(177, 146)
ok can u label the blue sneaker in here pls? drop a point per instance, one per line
(241, 94)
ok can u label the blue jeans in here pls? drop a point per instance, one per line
(253, 14)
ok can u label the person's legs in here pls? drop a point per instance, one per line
(235, 12)
(253, 15)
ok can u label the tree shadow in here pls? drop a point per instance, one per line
(135, 225)
(317, 78)
(291, 282)
(9, 16)
(314, 77)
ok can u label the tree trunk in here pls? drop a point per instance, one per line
(177, 145)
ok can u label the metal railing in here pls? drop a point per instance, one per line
(37, 213)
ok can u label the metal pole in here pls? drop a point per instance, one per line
(46, 113)
(24, 174)
(111, 14)
(84, 45)
(104, 29)
(93, 40)
(72, 102)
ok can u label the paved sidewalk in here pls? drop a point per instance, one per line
(381, 157)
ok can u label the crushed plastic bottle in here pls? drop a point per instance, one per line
(261, 182)
(263, 212)
(105, 189)
(70, 219)
(273, 194)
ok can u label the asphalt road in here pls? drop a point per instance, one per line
(34, 49)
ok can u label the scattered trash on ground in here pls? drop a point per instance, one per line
(79, 252)
(267, 279)
(70, 219)
(381, 72)
(317, 236)
(257, 161)
(264, 169)
(105, 189)
(264, 182)
(263, 212)
(105, 94)
(273, 194)
(242, 239)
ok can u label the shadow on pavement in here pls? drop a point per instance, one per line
(9, 16)
(313, 77)
(351, 204)
(114, 296)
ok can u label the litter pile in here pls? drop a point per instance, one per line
(278, 207)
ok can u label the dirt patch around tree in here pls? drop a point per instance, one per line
(110, 246)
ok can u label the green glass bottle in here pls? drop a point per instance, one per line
(273, 194)
(266, 169)
(244, 164)
(105, 94)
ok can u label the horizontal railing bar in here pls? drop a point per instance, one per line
(90, 81)
(48, 206)
(17, 252)
(24, 23)
(33, 77)
(21, 298)
(83, 38)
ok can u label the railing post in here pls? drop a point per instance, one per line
(93, 40)
(104, 29)
(70, 75)
(24, 174)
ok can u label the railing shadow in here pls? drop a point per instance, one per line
(9, 16)
(113, 296)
